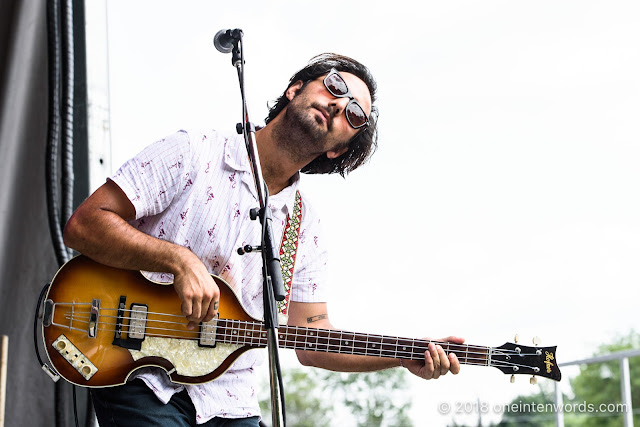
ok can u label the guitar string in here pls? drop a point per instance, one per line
(448, 346)
(347, 335)
(293, 343)
(261, 338)
(239, 340)
(416, 344)
(289, 327)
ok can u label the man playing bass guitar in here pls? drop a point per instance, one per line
(181, 208)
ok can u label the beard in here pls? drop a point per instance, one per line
(302, 134)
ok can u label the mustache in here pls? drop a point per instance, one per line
(330, 111)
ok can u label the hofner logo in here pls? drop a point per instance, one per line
(548, 360)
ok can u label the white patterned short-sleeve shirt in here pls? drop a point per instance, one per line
(196, 189)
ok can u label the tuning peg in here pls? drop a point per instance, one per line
(536, 340)
(533, 380)
(513, 379)
(515, 339)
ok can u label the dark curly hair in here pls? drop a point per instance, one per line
(362, 146)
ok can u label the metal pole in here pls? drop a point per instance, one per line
(625, 389)
(559, 411)
(4, 356)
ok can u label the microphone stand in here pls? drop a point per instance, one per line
(272, 274)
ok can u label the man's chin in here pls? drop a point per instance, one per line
(314, 128)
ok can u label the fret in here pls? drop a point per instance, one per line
(229, 331)
(246, 334)
(335, 341)
(374, 345)
(359, 344)
(347, 342)
(405, 348)
(242, 328)
(283, 333)
(263, 337)
(300, 339)
(288, 338)
(237, 332)
(461, 350)
(480, 356)
(311, 341)
(389, 346)
(324, 338)
(256, 329)
(296, 339)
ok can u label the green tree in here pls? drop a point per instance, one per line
(525, 411)
(596, 384)
(306, 404)
(316, 397)
(599, 383)
(375, 398)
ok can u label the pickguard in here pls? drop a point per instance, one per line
(186, 356)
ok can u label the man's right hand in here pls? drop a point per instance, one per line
(198, 292)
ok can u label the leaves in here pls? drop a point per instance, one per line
(597, 384)
(316, 397)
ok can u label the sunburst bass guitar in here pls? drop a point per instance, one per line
(100, 324)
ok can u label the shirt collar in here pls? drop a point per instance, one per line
(236, 158)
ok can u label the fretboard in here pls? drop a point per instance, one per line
(335, 341)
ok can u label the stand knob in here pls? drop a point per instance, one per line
(254, 213)
(248, 248)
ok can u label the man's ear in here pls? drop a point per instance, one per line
(337, 153)
(293, 89)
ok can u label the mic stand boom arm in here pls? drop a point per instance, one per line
(271, 270)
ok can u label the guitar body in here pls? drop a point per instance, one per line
(82, 280)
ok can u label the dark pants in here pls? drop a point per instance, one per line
(135, 405)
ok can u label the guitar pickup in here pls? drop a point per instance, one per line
(138, 321)
(71, 354)
(136, 330)
(208, 333)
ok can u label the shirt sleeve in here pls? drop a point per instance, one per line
(310, 272)
(153, 178)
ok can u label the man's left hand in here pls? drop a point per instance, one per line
(436, 361)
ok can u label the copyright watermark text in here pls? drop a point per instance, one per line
(478, 407)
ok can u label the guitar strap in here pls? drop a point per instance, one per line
(288, 250)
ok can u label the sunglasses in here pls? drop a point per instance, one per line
(337, 87)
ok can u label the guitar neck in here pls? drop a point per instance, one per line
(336, 341)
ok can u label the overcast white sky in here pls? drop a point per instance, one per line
(503, 197)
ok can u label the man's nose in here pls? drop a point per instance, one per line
(338, 105)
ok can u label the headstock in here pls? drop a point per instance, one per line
(513, 358)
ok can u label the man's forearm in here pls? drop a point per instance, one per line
(346, 362)
(99, 230)
(110, 240)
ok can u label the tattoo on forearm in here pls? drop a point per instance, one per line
(316, 318)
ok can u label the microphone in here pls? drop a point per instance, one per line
(224, 40)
